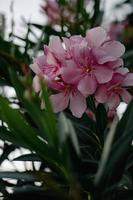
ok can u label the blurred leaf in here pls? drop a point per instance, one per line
(49, 115)
(9, 136)
(44, 119)
(128, 54)
(7, 149)
(28, 157)
(73, 137)
(63, 128)
(28, 176)
(125, 122)
(110, 172)
(66, 130)
(101, 121)
(96, 13)
(106, 153)
(22, 130)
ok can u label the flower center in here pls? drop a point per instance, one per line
(117, 90)
(87, 69)
(68, 89)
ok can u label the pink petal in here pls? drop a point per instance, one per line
(72, 41)
(66, 42)
(128, 81)
(96, 37)
(35, 68)
(114, 101)
(50, 59)
(71, 73)
(115, 64)
(101, 94)
(113, 48)
(36, 84)
(55, 85)
(103, 56)
(56, 45)
(77, 104)
(126, 96)
(109, 51)
(76, 39)
(122, 70)
(117, 79)
(59, 102)
(103, 75)
(87, 85)
(81, 54)
(41, 60)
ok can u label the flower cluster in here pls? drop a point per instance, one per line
(56, 13)
(77, 67)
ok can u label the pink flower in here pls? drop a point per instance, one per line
(115, 90)
(67, 95)
(49, 65)
(93, 58)
(72, 42)
(56, 12)
(52, 10)
(81, 66)
(105, 49)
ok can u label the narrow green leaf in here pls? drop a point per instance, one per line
(101, 121)
(23, 132)
(106, 152)
(28, 176)
(28, 157)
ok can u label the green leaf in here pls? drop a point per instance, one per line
(44, 120)
(66, 130)
(49, 116)
(28, 176)
(101, 121)
(73, 137)
(9, 136)
(106, 153)
(110, 172)
(7, 149)
(63, 128)
(21, 129)
(125, 122)
(28, 157)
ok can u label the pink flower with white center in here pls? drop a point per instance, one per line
(68, 95)
(115, 90)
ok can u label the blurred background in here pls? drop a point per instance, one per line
(16, 13)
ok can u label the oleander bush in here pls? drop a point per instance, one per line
(68, 84)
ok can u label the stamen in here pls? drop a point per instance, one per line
(88, 69)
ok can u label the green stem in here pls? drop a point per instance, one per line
(96, 13)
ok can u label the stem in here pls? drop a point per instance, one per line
(96, 13)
